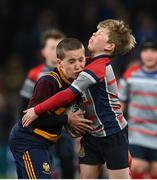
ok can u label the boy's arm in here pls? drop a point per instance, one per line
(43, 90)
(59, 99)
(74, 119)
(123, 94)
(84, 80)
(62, 97)
(92, 74)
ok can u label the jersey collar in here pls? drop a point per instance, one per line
(101, 56)
(63, 76)
(91, 59)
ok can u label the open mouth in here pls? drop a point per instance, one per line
(77, 73)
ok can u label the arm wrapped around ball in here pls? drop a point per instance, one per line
(77, 124)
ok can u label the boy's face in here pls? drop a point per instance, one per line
(149, 57)
(73, 63)
(98, 43)
(49, 51)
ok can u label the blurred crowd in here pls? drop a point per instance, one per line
(22, 23)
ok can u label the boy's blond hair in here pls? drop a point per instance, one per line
(120, 34)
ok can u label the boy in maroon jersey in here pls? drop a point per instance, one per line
(30, 145)
(49, 40)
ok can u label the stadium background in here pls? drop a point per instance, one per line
(22, 22)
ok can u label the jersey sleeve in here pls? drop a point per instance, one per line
(45, 87)
(27, 88)
(123, 89)
(85, 79)
(92, 74)
(123, 86)
(60, 99)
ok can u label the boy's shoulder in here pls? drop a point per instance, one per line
(131, 70)
(53, 77)
(101, 59)
(97, 66)
(98, 62)
(35, 71)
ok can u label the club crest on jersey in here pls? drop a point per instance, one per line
(82, 152)
(46, 168)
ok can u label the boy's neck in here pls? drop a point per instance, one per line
(50, 63)
(149, 69)
(100, 53)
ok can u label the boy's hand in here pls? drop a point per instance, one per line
(29, 117)
(78, 122)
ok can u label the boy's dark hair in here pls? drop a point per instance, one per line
(51, 33)
(67, 44)
(149, 44)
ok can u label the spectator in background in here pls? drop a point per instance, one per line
(138, 92)
(64, 149)
(6, 120)
(146, 27)
(11, 78)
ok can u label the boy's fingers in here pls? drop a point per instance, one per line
(80, 113)
(80, 130)
(78, 133)
(87, 127)
(24, 118)
(24, 111)
(25, 121)
(26, 124)
(86, 121)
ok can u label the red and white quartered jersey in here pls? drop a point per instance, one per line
(98, 85)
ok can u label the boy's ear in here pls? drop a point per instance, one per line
(59, 62)
(110, 47)
(42, 52)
